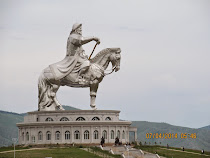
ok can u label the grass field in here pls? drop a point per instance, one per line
(77, 152)
(51, 152)
(169, 153)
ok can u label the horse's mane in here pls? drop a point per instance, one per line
(101, 53)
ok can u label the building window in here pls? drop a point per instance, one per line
(76, 135)
(40, 136)
(49, 119)
(95, 119)
(57, 135)
(95, 134)
(112, 134)
(123, 135)
(80, 119)
(48, 135)
(27, 136)
(64, 119)
(86, 134)
(118, 134)
(67, 135)
(33, 139)
(104, 134)
(22, 136)
(108, 119)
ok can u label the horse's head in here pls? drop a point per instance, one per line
(115, 58)
(108, 55)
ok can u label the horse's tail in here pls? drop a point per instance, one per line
(44, 92)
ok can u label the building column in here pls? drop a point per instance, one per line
(44, 139)
(127, 134)
(24, 136)
(135, 136)
(29, 142)
(72, 135)
(121, 133)
(115, 132)
(91, 134)
(82, 134)
(62, 135)
(36, 135)
(108, 135)
(52, 135)
(100, 132)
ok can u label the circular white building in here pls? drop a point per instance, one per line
(73, 126)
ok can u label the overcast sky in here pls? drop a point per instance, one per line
(165, 68)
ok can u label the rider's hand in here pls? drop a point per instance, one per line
(97, 40)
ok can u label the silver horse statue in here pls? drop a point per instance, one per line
(48, 85)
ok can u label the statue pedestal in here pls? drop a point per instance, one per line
(73, 126)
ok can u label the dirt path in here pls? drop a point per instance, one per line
(9, 151)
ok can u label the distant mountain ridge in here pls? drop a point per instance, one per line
(205, 127)
(202, 140)
(8, 130)
(66, 107)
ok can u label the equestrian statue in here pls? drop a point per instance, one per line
(76, 70)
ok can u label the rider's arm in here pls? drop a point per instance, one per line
(79, 40)
(85, 40)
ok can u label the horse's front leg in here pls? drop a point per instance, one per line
(93, 92)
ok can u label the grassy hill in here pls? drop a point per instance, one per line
(206, 127)
(66, 107)
(8, 130)
(202, 140)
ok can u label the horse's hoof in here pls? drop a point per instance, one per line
(59, 107)
(93, 107)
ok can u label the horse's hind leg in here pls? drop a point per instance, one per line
(48, 87)
(54, 89)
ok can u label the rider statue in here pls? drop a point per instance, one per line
(76, 70)
(76, 60)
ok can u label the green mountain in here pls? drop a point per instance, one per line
(206, 127)
(202, 140)
(8, 130)
(66, 107)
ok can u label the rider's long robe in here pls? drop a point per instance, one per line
(74, 61)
